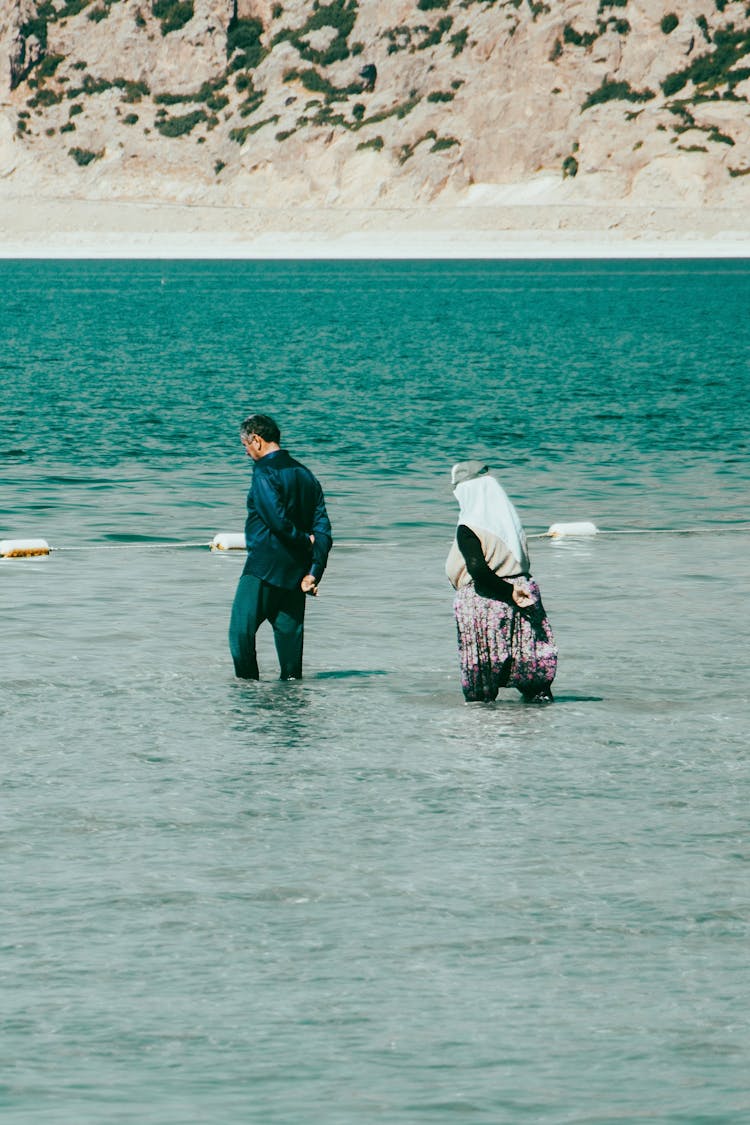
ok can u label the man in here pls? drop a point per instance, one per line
(288, 536)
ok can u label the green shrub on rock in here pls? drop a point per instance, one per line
(172, 14)
(84, 156)
(616, 91)
(244, 45)
(180, 126)
(375, 143)
(443, 143)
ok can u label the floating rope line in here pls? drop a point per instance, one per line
(229, 542)
(564, 533)
(129, 546)
(672, 530)
(667, 531)
(36, 548)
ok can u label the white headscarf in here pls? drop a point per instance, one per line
(484, 506)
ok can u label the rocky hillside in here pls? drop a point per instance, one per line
(376, 103)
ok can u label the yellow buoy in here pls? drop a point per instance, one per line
(23, 548)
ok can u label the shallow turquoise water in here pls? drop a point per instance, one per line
(356, 898)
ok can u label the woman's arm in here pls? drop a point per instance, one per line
(486, 582)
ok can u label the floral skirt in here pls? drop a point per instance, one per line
(499, 646)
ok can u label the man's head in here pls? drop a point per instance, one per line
(260, 435)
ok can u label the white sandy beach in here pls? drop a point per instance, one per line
(80, 228)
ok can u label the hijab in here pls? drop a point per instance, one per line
(484, 506)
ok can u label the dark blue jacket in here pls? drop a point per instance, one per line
(285, 505)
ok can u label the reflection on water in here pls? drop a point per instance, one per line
(350, 673)
(271, 713)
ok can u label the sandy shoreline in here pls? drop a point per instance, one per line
(78, 228)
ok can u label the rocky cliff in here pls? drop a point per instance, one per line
(378, 103)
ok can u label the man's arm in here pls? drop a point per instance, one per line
(322, 538)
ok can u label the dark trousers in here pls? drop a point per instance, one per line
(254, 603)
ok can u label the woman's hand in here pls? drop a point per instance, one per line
(522, 597)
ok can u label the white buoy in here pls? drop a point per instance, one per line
(23, 548)
(229, 541)
(560, 530)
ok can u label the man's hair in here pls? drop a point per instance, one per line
(263, 426)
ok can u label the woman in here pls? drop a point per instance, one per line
(504, 638)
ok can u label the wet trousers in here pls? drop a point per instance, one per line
(255, 602)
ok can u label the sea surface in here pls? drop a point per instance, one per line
(356, 899)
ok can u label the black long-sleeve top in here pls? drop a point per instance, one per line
(486, 583)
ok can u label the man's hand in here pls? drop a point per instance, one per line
(309, 585)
